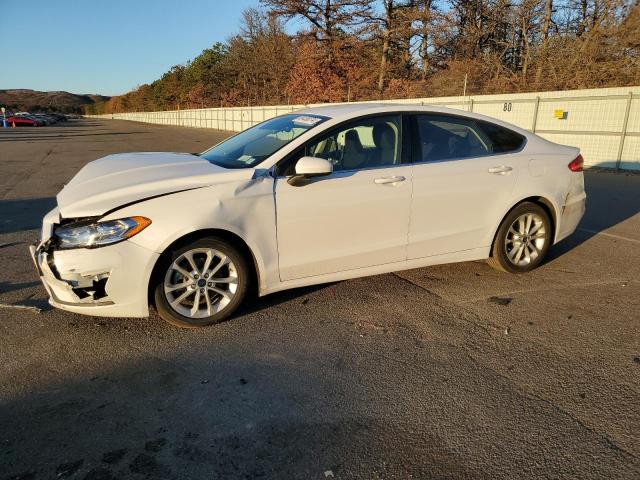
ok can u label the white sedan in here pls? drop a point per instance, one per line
(315, 196)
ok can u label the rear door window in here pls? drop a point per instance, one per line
(444, 137)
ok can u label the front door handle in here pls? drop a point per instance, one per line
(389, 180)
(501, 169)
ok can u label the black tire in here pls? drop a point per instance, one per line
(174, 317)
(503, 243)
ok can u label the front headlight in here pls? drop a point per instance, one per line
(98, 234)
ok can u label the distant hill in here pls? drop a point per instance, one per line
(33, 100)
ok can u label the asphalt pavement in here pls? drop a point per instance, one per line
(454, 371)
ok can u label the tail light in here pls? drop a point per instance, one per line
(577, 165)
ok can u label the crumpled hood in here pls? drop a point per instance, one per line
(121, 179)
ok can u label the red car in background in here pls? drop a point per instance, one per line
(22, 122)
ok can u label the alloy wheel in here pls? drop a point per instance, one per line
(525, 239)
(200, 283)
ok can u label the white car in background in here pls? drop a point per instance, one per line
(315, 196)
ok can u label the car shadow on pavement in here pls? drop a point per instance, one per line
(24, 214)
(61, 136)
(208, 414)
(612, 198)
(273, 299)
(6, 287)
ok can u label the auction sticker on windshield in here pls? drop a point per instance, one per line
(309, 121)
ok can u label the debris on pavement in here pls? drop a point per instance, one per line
(155, 445)
(67, 469)
(9, 244)
(501, 300)
(114, 456)
(21, 307)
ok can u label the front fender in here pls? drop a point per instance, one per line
(245, 209)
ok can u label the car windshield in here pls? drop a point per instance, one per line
(252, 146)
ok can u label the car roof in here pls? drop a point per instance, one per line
(344, 111)
(350, 109)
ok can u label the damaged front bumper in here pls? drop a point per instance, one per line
(76, 288)
(108, 281)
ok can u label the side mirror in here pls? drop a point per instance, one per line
(309, 167)
(313, 167)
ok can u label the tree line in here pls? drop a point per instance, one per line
(348, 50)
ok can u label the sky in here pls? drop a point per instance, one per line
(106, 47)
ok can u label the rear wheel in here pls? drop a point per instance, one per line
(523, 239)
(201, 284)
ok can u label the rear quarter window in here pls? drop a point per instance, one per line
(502, 139)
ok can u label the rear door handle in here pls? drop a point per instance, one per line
(389, 180)
(501, 169)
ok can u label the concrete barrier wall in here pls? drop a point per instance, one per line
(603, 123)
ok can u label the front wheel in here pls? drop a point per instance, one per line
(522, 240)
(201, 284)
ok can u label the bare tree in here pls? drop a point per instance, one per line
(546, 25)
(404, 48)
(386, 21)
(328, 18)
(425, 17)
